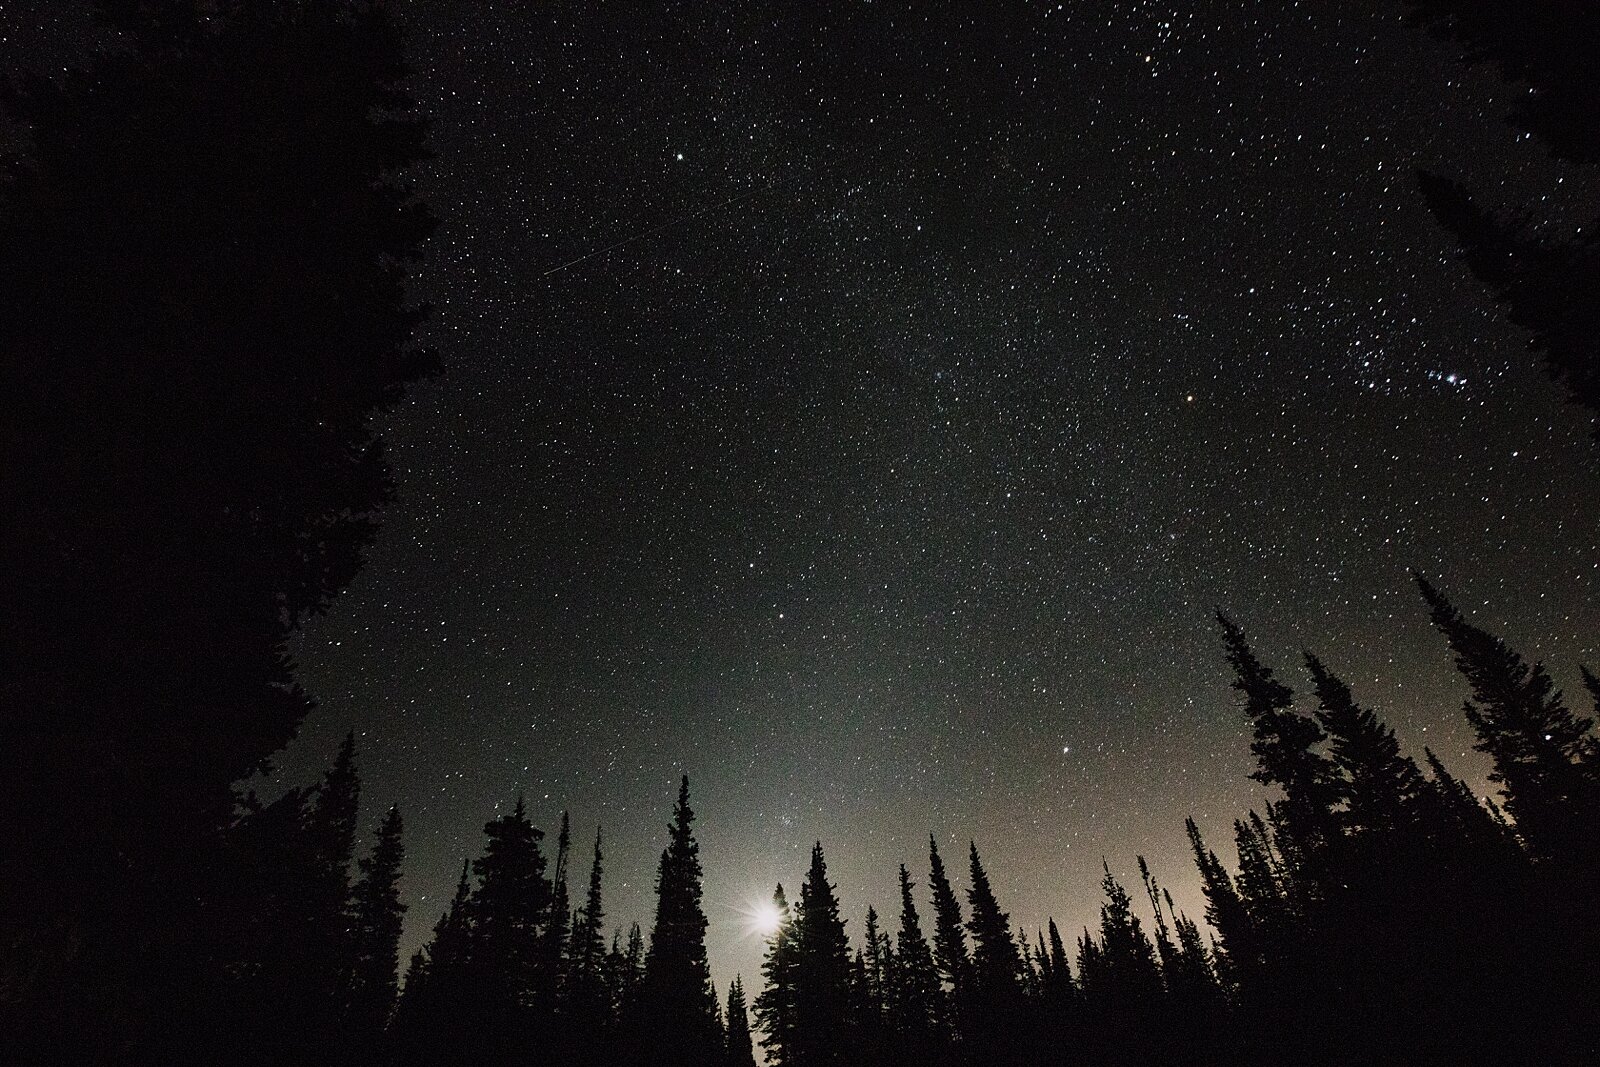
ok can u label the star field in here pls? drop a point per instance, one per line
(864, 412)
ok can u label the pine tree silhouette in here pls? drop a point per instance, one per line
(917, 1002)
(558, 921)
(507, 911)
(588, 998)
(1382, 786)
(820, 974)
(1542, 752)
(677, 1004)
(1284, 745)
(1548, 287)
(949, 942)
(202, 304)
(774, 1005)
(740, 1051)
(376, 918)
(996, 966)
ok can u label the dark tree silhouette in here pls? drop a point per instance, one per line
(820, 974)
(1381, 786)
(588, 998)
(1284, 745)
(1543, 753)
(740, 1051)
(774, 1005)
(202, 304)
(917, 1003)
(375, 927)
(558, 921)
(437, 1002)
(677, 1010)
(996, 965)
(1548, 287)
(949, 942)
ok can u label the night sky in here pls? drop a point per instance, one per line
(863, 413)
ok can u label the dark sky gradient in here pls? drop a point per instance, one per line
(941, 378)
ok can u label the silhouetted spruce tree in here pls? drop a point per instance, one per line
(325, 908)
(1166, 950)
(1040, 962)
(1284, 745)
(1465, 828)
(740, 1051)
(206, 249)
(878, 960)
(1059, 980)
(1541, 750)
(558, 923)
(1381, 785)
(1128, 972)
(677, 1012)
(949, 941)
(376, 916)
(1261, 882)
(625, 971)
(435, 1015)
(917, 1006)
(511, 982)
(1592, 683)
(1548, 286)
(588, 998)
(820, 974)
(774, 1005)
(1243, 947)
(1192, 976)
(862, 1021)
(995, 963)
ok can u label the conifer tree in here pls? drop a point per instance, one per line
(1059, 982)
(872, 953)
(1539, 747)
(376, 921)
(1166, 951)
(774, 1007)
(1042, 963)
(1284, 745)
(740, 1051)
(820, 975)
(330, 836)
(917, 1002)
(1241, 949)
(1127, 961)
(1381, 785)
(508, 910)
(438, 1001)
(1192, 976)
(1261, 884)
(626, 973)
(1547, 284)
(558, 923)
(995, 963)
(587, 997)
(678, 1006)
(949, 942)
(1462, 823)
(206, 249)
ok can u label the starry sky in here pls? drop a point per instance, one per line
(863, 408)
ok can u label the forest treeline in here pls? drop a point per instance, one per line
(204, 252)
(1376, 911)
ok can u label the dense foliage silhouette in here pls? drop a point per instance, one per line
(202, 305)
(1549, 286)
